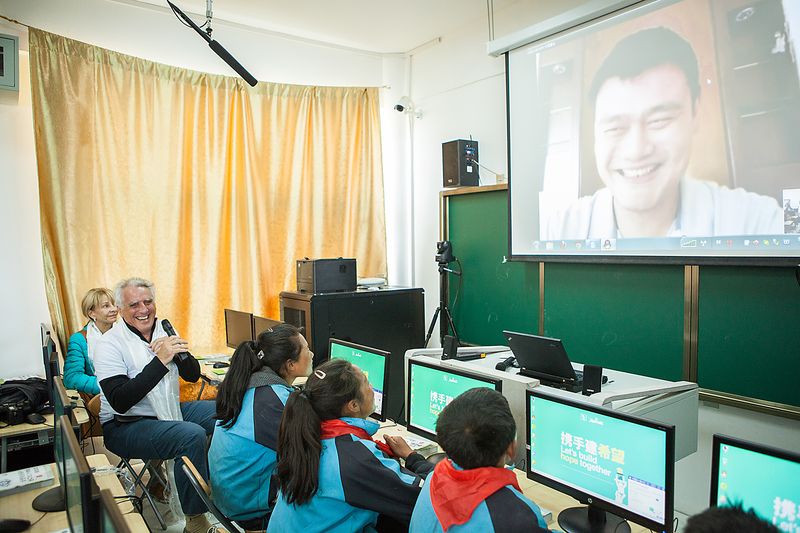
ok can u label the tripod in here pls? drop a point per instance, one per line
(446, 318)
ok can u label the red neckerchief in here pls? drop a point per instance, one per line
(456, 493)
(330, 429)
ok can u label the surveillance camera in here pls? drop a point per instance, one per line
(404, 105)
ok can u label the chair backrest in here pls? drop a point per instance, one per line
(93, 406)
(204, 491)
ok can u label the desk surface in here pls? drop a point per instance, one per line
(19, 505)
(545, 497)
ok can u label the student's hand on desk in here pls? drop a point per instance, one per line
(165, 348)
(398, 445)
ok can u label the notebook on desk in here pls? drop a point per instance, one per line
(545, 359)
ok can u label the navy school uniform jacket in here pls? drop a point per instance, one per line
(505, 511)
(242, 458)
(357, 483)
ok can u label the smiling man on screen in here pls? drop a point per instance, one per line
(645, 96)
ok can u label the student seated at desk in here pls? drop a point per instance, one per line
(471, 490)
(250, 403)
(333, 477)
(732, 519)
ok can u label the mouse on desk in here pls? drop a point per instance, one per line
(13, 525)
(34, 418)
(221, 364)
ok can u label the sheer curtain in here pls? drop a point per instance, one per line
(208, 187)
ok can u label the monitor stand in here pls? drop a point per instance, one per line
(590, 519)
(50, 501)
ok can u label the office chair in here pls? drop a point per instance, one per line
(150, 465)
(204, 491)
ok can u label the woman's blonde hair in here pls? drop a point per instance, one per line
(93, 299)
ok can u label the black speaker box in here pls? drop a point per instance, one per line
(460, 163)
(326, 275)
(592, 379)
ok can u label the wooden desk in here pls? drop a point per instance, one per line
(19, 505)
(545, 497)
(195, 391)
(43, 431)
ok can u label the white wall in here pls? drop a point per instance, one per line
(22, 290)
(461, 92)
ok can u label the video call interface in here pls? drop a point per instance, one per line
(668, 129)
(767, 484)
(431, 389)
(372, 364)
(620, 462)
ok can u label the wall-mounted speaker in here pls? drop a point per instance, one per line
(460, 163)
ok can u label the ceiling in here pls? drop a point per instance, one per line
(380, 26)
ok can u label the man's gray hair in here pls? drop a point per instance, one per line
(132, 282)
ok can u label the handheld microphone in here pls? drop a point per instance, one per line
(182, 356)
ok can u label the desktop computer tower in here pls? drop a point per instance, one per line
(460, 163)
(390, 319)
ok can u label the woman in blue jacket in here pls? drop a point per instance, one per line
(99, 307)
(250, 403)
(333, 477)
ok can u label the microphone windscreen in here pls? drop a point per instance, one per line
(235, 65)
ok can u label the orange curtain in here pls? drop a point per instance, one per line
(208, 187)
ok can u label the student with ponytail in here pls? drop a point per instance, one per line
(333, 477)
(250, 402)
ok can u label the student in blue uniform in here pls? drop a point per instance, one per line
(333, 477)
(471, 490)
(250, 403)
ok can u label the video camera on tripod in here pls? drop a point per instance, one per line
(444, 256)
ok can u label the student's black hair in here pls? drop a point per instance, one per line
(327, 391)
(476, 428)
(733, 519)
(644, 50)
(273, 348)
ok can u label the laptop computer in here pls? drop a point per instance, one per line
(545, 359)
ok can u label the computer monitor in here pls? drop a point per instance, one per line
(760, 477)
(44, 331)
(111, 518)
(261, 324)
(430, 388)
(52, 500)
(80, 490)
(50, 361)
(238, 327)
(621, 465)
(372, 361)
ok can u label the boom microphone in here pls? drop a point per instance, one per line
(181, 356)
(215, 46)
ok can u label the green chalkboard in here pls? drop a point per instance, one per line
(493, 295)
(629, 317)
(625, 317)
(749, 332)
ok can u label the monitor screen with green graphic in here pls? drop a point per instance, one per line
(373, 362)
(430, 388)
(761, 478)
(615, 462)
